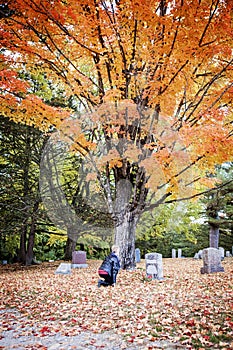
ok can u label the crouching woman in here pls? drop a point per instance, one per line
(109, 268)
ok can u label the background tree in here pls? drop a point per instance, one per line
(20, 152)
(154, 83)
(63, 192)
(219, 206)
(171, 227)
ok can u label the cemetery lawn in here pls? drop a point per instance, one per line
(191, 310)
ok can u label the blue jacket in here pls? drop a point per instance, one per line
(111, 265)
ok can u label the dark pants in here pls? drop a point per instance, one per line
(108, 280)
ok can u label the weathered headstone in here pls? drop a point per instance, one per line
(200, 253)
(222, 252)
(173, 253)
(179, 253)
(63, 269)
(154, 266)
(79, 259)
(137, 255)
(211, 260)
(196, 256)
(228, 254)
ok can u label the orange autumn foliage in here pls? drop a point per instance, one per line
(162, 67)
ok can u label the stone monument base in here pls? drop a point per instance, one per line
(79, 266)
(211, 269)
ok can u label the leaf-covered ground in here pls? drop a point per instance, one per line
(191, 310)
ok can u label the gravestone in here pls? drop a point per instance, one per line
(228, 254)
(198, 255)
(173, 253)
(222, 252)
(154, 266)
(137, 255)
(63, 269)
(79, 259)
(211, 260)
(179, 253)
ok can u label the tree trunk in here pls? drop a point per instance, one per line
(72, 237)
(22, 247)
(70, 248)
(214, 236)
(32, 233)
(25, 169)
(30, 244)
(126, 214)
(125, 233)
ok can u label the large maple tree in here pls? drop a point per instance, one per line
(153, 84)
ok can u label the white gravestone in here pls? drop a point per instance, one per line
(179, 253)
(211, 260)
(173, 253)
(64, 269)
(137, 255)
(154, 265)
(222, 251)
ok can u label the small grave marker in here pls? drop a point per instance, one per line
(222, 252)
(198, 255)
(179, 253)
(137, 255)
(64, 269)
(154, 266)
(173, 253)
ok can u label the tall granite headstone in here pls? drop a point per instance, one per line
(211, 260)
(173, 253)
(154, 266)
(79, 259)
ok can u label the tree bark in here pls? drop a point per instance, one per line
(22, 247)
(70, 247)
(125, 224)
(32, 233)
(30, 244)
(125, 232)
(126, 208)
